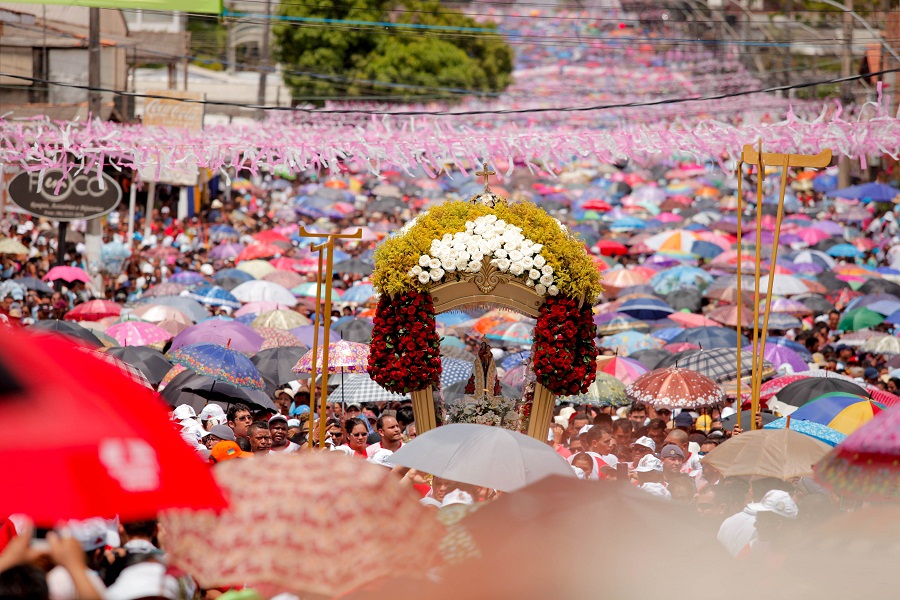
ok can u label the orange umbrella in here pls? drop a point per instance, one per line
(616, 280)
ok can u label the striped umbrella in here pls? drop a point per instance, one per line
(622, 368)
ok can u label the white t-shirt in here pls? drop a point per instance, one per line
(737, 531)
(291, 448)
(371, 450)
(63, 588)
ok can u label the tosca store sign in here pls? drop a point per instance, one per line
(65, 197)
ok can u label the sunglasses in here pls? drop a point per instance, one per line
(360, 434)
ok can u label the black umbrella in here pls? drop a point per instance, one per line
(355, 266)
(33, 283)
(620, 188)
(827, 243)
(385, 205)
(710, 337)
(730, 421)
(70, 329)
(650, 357)
(356, 330)
(880, 286)
(688, 298)
(675, 359)
(816, 303)
(275, 364)
(800, 392)
(198, 390)
(831, 282)
(152, 363)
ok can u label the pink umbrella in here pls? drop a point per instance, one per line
(69, 274)
(668, 217)
(343, 357)
(94, 310)
(812, 235)
(138, 333)
(257, 308)
(675, 388)
(692, 320)
(622, 368)
(286, 279)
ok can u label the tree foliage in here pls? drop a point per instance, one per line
(324, 56)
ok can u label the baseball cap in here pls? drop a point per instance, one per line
(649, 463)
(207, 269)
(671, 450)
(183, 411)
(645, 442)
(684, 419)
(223, 432)
(703, 423)
(300, 409)
(290, 391)
(778, 502)
(90, 533)
(294, 423)
(227, 451)
(211, 411)
(870, 373)
(656, 489)
(274, 418)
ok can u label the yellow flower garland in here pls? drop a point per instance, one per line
(574, 272)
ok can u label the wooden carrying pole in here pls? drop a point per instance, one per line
(785, 161)
(740, 275)
(320, 248)
(325, 318)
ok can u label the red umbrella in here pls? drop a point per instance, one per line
(270, 235)
(94, 310)
(596, 204)
(610, 248)
(259, 251)
(675, 388)
(69, 274)
(88, 441)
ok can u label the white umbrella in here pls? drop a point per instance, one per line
(264, 291)
(784, 285)
(481, 455)
(888, 344)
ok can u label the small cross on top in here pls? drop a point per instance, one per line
(486, 173)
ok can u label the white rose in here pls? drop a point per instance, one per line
(434, 263)
(474, 266)
(547, 280)
(489, 218)
(503, 264)
(424, 260)
(540, 289)
(537, 247)
(484, 247)
(534, 274)
(493, 245)
(547, 270)
(447, 263)
(470, 226)
(437, 274)
(515, 256)
(423, 277)
(516, 268)
(499, 223)
(529, 283)
(414, 272)
(527, 262)
(539, 261)
(500, 253)
(477, 257)
(553, 290)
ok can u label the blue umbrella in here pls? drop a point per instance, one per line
(781, 321)
(33, 283)
(867, 192)
(454, 317)
(710, 337)
(220, 363)
(359, 293)
(454, 370)
(213, 295)
(630, 342)
(223, 232)
(514, 360)
(844, 251)
(452, 342)
(667, 333)
(825, 183)
(188, 278)
(705, 249)
(670, 280)
(627, 224)
(823, 433)
(231, 278)
(646, 309)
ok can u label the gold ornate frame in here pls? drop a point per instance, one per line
(487, 286)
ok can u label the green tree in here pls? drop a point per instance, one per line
(325, 57)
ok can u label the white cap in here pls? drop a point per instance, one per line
(457, 497)
(90, 533)
(183, 411)
(645, 442)
(778, 502)
(217, 204)
(728, 411)
(648, 464)
(656, 489)
(211, 411)
(207, 269)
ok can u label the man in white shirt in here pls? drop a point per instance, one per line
(391, 435)
(278, 426)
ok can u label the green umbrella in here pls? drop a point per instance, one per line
(860, 318)
(605, 391)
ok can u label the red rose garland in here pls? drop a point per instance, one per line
(405, 354)
(564, 352)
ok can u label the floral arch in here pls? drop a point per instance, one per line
(484, 251)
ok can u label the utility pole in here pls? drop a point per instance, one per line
(94, 98)
(264, 61)
(846, 86)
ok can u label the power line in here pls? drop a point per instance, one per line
(515, 111)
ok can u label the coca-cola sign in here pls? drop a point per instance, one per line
(172, 111)
(65, 197)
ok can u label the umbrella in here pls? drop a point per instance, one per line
(359, 388)
(70, 329)
(256, 268)
(70, 274)
(165, 289)
(188, 278)
(783, 285)
(615, 322)
(875, 286)
(814, 430)
(257, 251)
(728, 315)
(780, 355)
(233, 334)
(343, 357)
(226, 251)
(286, 279)
(355, 330)
(33, 283)
(650, 357)
(709, 337)
(157, 313)
(720, 364)
(860, 318)
(213, 295)
(675, 388)
(514, 360)
(276, 338)
(646, 309)
(780, 453)
(359, 293)
(220, 363)
(231, 278)
(12, 246)
(800, 392)
(106, 457)
(730, 421)
(839, 410)
(626, 343)
(865, 465)
(618, 279)
(152, 363)
(94, 310)
(624, 369)
(138, 333)
(684, 298)
(186, 387)
(354, 266)
(309, 290)
(279, 319)
(512, 334)
(282, 495)
(606, 390)
(872, 191)
(882, 345)
(275, 364)
(263, 291)
(491, 457)
(817, 303)
(454, 370)
(191, 308)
